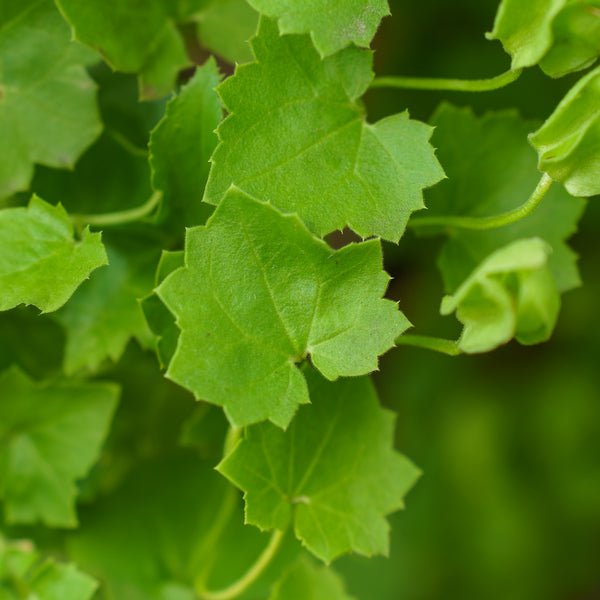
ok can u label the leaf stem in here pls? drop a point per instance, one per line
(251, 575)
(448, 347)
(121, 217)
(489, 222)
(454, 85)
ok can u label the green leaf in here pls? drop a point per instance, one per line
(511, 294)
(294, 297)
(62, 582)
(576, 39)
(525, 29)
(305, 581)
(297, 138)
(40, 261)
(175, 523)
(334, 473)
(182, 144)
(50, 436)
(332, 25)
(133, 36)
(568, 143)
(496, 175)
(160, 320)
(20, 570)
(48, 112)
(104, 313)
(225, 26)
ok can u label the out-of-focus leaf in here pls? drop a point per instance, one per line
(568, 143)
(511, 294)
(48, 112)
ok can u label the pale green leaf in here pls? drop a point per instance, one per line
(182, 144)
(305, 581)
(568, 143)
(576, 38)
(48, 112)
(50, 436)
(104, 313)
(525, 29)
(496, 175)
(133, 36)
(21, 570)
(40, 261)
(332, 24)
(510, 294)
(61, 582)
(294, 297)
(297, 138)
(333, 474)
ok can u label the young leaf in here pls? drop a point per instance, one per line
(297, 138)
(182, 144)
(294, 296)
(21, 570)
(40, 261)
(576, 39)
(133, 36)
(334, 473)
(525, 29)
(497, 176)
(104, 314)
(305, 581)
(568, 143)
(48, 112)
(511, 294)
(332, 25)
(51, 435)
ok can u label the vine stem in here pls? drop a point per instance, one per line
(454, 85)
(121, 217)
(251, 575)
(490, 222)
(448, 347)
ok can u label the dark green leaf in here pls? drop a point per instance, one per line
(50, 436)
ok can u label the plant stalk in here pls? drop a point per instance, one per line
(452, 85)
(251, 575)
(448, 347)
(489, 222)
(121, 217)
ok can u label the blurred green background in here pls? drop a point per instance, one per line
(508, 507)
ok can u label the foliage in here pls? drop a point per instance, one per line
(225, 239)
